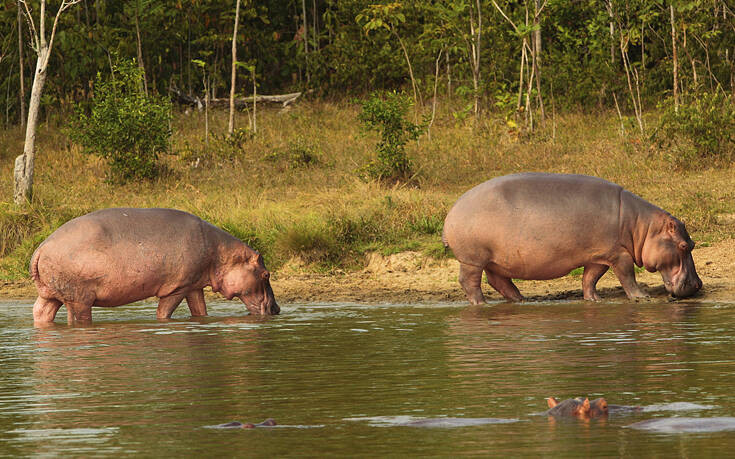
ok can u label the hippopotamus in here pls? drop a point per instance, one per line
(541, 226)
(239, 425)
(113, 257)
(577, 407)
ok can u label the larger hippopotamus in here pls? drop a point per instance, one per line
(541, 226)
(113, 257)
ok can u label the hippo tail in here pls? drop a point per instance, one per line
(33, 268)
(444, 241)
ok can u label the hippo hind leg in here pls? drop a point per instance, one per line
(504, 286)
(592, 273)
(470, 278)
(167, 305)
(45, 309)
(79, 312)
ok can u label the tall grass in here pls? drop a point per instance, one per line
(291, 190)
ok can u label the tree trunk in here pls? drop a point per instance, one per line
(22, 94)
(476, 43)
(306, 40)
(416, 95)
(144, 83)
(537, 60)
(23, 171)
(231, 123)
(675, 59)
(608, 4)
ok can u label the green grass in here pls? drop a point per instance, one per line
(291, 190)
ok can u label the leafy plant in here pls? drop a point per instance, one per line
(385, 113)
(124, 126)
(703, 128)
(299, 153)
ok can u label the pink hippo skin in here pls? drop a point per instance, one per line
(113, 257)
(541, 226)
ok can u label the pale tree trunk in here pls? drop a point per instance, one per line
(416, 95)
(22, 94)
(433, 102)
(255, 103)
(231, 123)
(608, 5)
(475, 48)
(675, 59)
(23, 170)
(141, 66)
(537, 58)
(306, 40)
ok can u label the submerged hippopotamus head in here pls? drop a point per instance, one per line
(669, 251)
(246, 277)
(577, 407)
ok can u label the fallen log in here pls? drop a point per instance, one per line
(284, 99)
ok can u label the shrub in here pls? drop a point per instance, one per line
(703, 128)
(124, 126)
(299, 153)
(385, 113)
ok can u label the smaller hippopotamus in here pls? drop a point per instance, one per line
(248, 425)
(113, 257)
(577, 407)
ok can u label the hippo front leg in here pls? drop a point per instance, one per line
(470, 278)
(625, 272)
(168, 304)
(195, 300)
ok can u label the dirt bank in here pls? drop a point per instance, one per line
(410, 277)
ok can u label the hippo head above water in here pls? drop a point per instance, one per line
(578, 407)
(670, 253)
(247, 278)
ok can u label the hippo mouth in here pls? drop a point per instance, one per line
(684, 289)
(267, 307)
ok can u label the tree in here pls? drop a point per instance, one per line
(231, 123)
(23, 170)
(388, 17)
(22, 93)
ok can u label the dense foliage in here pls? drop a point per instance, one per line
(124, 126)
(512, 54)
(386, 114)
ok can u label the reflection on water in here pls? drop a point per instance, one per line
(348, 379)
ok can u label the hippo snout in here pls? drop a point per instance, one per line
(687, 288)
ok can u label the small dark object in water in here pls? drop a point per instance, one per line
(248, 425)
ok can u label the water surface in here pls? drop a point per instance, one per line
(348, 379)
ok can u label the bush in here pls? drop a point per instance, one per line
(385, 114)
(702, 129)
(124, 126)
(298, 154)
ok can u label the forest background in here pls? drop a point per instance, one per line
(638, 92)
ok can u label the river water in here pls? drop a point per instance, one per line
(349, 379)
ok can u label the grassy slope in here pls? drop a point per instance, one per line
(322, 214)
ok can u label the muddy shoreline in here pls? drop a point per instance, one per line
(410, 277)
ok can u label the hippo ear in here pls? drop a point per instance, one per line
(552, 402)
(585, 406)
